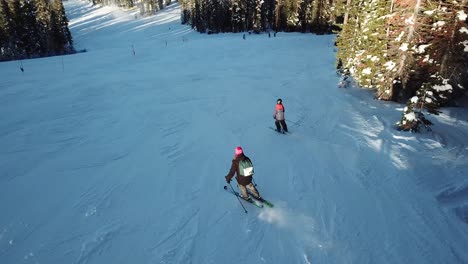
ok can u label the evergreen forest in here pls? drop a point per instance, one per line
(33, 28)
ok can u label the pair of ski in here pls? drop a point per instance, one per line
(257, 202)
(280, 132)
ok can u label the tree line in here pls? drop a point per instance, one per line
(33, 28)
(414, 51)
(146, 7)
(259, 15)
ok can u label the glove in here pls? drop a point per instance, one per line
(227, 179)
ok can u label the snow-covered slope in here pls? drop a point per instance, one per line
(118, 154)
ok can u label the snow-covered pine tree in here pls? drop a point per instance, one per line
(186, 7)
(442, 53)
(439, 56)
(5, 29)
(362, 43)
(160, 5)
(292, 14)
(346, 38)
(16, 29)
(31, 33)
(3, 39)
(238, 15)
(259, 21)
(269, 13)
(195, 13)
(212, 15)
(43, 20)
(396, 27)
(149, 7)
(341, 9)
(321, 14)
(204, 16)
(371, 58)
(305, 15)
(427, 98)
(249, 15)
(401, 51)
(60, 34)
(128, 3)
(281, 15)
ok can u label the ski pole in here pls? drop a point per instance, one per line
(293, 122)
(255, 184)
(237, 198)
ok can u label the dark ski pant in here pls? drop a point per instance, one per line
(283, 124)
(243, 191)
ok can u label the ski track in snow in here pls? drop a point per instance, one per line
(179, 243)
(172, 133)
(97, 243)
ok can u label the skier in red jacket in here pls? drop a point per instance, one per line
(278, 115)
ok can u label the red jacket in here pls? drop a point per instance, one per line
(279, 112)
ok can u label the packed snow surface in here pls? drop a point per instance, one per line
(118, 154)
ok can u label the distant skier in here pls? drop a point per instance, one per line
(278, 115)
(242, 166)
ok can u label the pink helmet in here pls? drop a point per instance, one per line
(238, 151)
